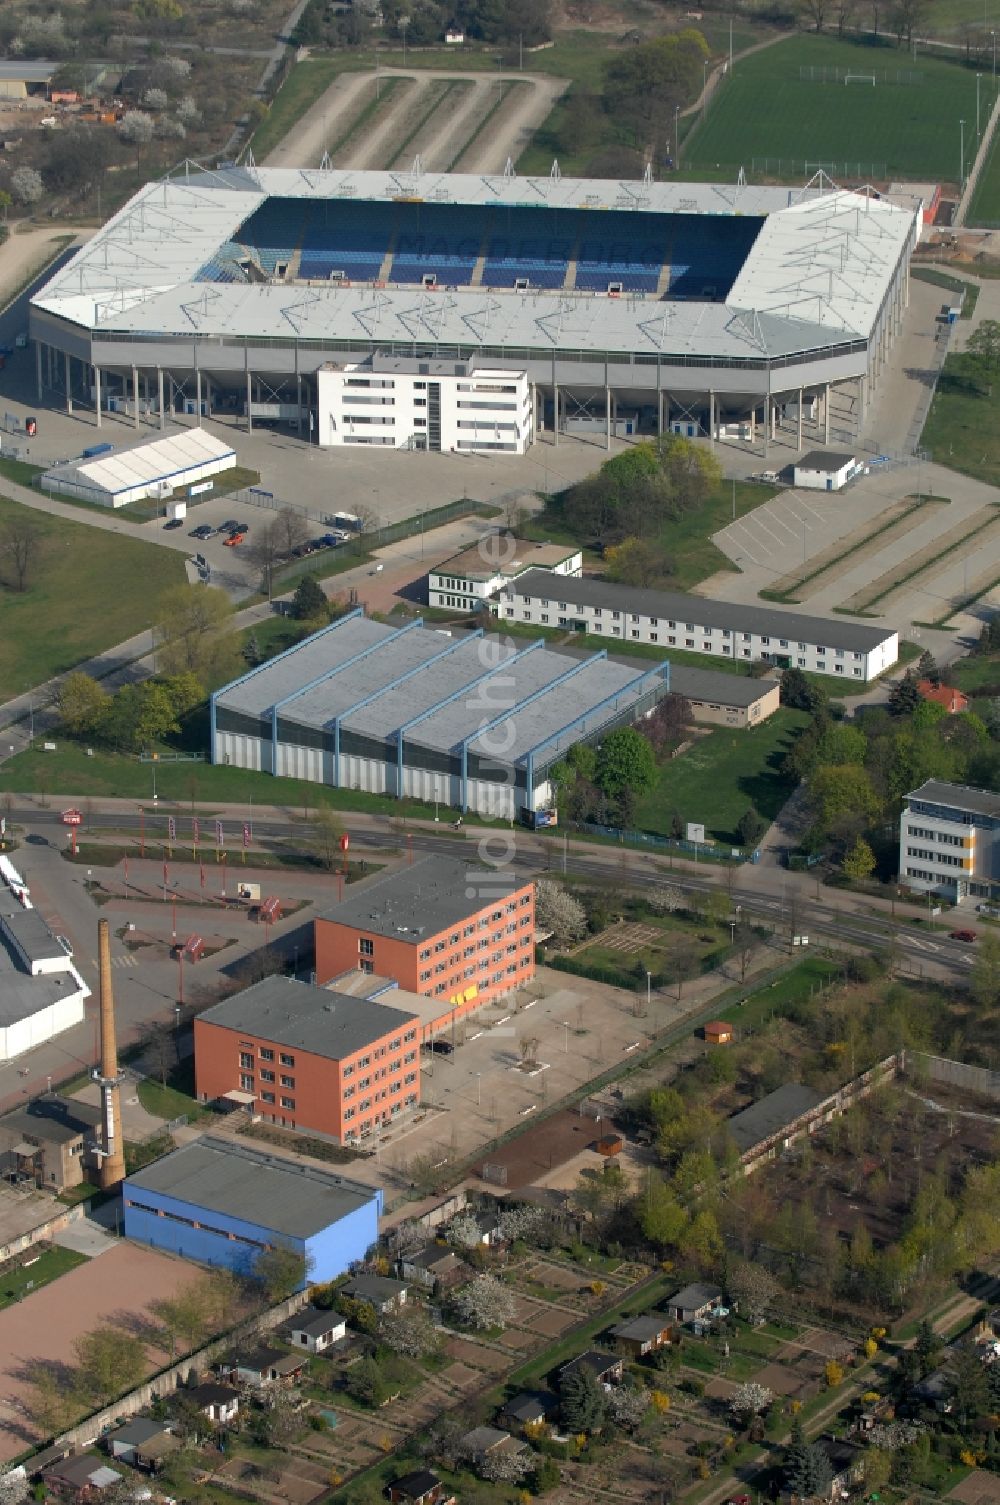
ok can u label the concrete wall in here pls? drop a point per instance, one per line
(978, 1079)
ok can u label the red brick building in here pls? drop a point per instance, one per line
(308, 1058)
(439, 927)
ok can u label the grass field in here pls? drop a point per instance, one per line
(963, 432)
(724, 773)
(90, 589)
(686, 542)
(47, 1266)
(984, 206)
(765, 110)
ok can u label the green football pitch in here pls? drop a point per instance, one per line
(778, 118)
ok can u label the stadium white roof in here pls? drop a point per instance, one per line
(819, 268)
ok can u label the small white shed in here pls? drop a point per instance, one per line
(825, 470)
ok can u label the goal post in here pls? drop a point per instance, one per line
(860, 78)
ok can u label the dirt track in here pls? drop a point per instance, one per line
(441, 139)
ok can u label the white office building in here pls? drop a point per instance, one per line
(721, 629)
(403, 403)
(466, 581)
(948, 841)
(41, 992)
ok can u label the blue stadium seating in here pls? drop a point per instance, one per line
(441, 241)
(702, 253)
(348, 237)
(224, 266)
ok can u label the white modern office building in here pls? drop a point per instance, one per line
(466, 581)
(948, 841)
(41, 992)
(722, 629)
(424, 404)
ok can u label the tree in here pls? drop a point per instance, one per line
(52, 1403)
(368, 1382)
(292, 528)
(750, 828)
(136, 127)
(13, 1486)
(309, 602)
(252, 651)
(110, 1362)
(842, 791)
(503, 1466)
(625, 761)
(186, 1317)
(927, 667)
(749, 1400)
(984, 344)
(484, 1303)
(661, 1217)
(21, 545)
(158, 12)
(984, 979)
(558, 911)
(6, 200)
(279, 1271)
(683, 961)
(807, 1471)
(155, 99)
(82, 704)
(904, 697)
(859, 862)
(528, 1046)
(197, 634)
(636, 561)
(754, 1288)
(666, 898)
(971, 1383)
(582, 1402)
(798, 692)
(547, 1475)
(645, 85)
(464, 1232)
(26, 185)
(327, 831)
(264, 554)
(408, 1332)
(666, 723)
(627, 1405)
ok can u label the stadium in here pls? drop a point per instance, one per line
(619, 307)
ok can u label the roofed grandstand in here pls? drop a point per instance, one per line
(491, 246)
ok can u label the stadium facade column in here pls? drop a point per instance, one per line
(38, 370)
(826, 414)
(298, 393)
(97, 394)
(800, 421)
(555, 413)
(159, 387)
(607, 414)
(711, 418)
(69, 383)
(246, 368)
(135, 393)
(753, 423)
(767, 425)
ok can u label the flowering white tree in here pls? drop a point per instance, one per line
(188, 111)
(558, 911)
(26, 185)
(13, 1487)
(155, 99)
(503, 1466)
(666, 898)
(750, 1400)
(627, 1405)
(406, 1238)
(464, 1232)
(892, 1435)
(519, 1222)
(483, 1303)
(408, 1332)
(136, 126)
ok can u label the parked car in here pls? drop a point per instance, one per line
(330, 540)
(963, 935)
(233, 540)
(173, 522)
(229, 526)
(439, 1047)
(203, 531)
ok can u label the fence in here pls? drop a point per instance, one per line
(860, 75)
(701, 850)
(166, 1381)
(798, 167)
(977, 1079)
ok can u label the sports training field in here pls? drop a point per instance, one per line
(766, 110)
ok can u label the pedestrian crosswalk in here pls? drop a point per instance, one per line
(119, 961)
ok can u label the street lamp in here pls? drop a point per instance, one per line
(649, 990)
(994, 36)
(479, 1089)
(961, 156)
(978, 77)
(404, 22)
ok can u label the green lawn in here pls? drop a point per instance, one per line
(721, 775)
(686, 542)
(89, 590)
(975, 675)
(176, 1099)
(984, 207)
(963, 432)
(48, 1266)
(777, 124)
(798, 984)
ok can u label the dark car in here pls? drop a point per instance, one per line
(963, 935)
(203, 531)
(173, 522)
(439, 1047)
(229, 526)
